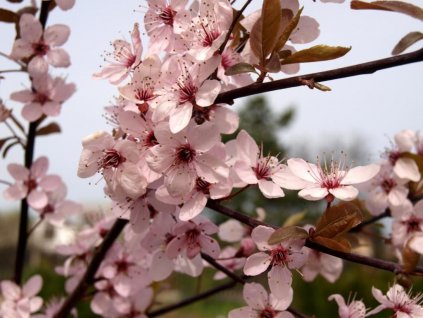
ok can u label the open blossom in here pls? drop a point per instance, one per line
(41, 44)
(45, 96)
(354, 309)
(261, 305)
(125, 58)
(185, 156)
(330, 267)
(32, 184)
(409, 223)
(396, 299)
(280, 257)
(330, 180)
(21, 302)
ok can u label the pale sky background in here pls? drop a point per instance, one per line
(373, 107)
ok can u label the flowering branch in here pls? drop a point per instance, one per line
(29, 158)
(355, 258)
(349, 71)
(92, 268)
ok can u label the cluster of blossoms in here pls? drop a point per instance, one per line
(165, 161)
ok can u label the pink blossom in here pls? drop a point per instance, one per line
(260, 304)
(280, 257)
(21, 302)
(65, 4)
(192, 237)
(45, 97)
(185, 156)
(124, 59)
(404, 305)
(407, 224)
(164, 21)
(117, 160)
(331, 180)
(330, 267)
(33, 184)
(35, 42)
(254, 168)
(52, 307)
(354, 309)
(230, 259)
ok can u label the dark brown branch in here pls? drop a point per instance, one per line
(349, 71)
(92, 268)
(191, 300)
(222, 268)
(355, 258)
(371, 220)
(29, 158)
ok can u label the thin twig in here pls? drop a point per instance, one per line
(17, 123)
(349, 71)
(355, 258)
(92, 268)
(11, 59)
(232, 26)
(222, 268)
(14, 134)
(11, 71)
(34, 227)
(371, 220)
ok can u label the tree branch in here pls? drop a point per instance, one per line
(355, 258)
(349, 71)
(371, 220)
(92, 268)
(222, 268)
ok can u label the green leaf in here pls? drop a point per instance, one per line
(8, 16)
(240, 68)
(290, 27)
(285, 233)
(407, 41)
(49, 129)
(316, 53)
(396, 6)
(322, 87)
(338, 220)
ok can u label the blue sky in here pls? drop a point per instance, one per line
(372, 106)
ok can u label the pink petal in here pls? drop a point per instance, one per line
(31, 112)
(180, 117)
(175, 247)
(242, 312)
(256, 264)
(306, 31)
(15, 192)
(207, 93)
(361, 174)
(203, 137)
(30, 28)
(406, 168)
(24, 96)
(37, 199)
(10, 290)
(193, 207)
(21, 49)
(32, 286)
(209, 245)
(35, 304)
(270, 190)
(18, 172)
(303, 169)
(180, 181)
(58, 57)
(39, 167)
(65, 4)
(313, 194)
(261, 235)
(37, 66)
(56, 35)
(287, 180)
(255, 296)
(52, 109)
(280, 280)
(50, 183)
(247, 149)
(161, 266)
(345, 193)
(245, 172)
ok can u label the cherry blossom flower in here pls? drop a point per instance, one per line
(193, 237)
(45, 97)
(407, 224)
(35, 42)
(32, 184)
(354, 309)
(116, 160)
(260, 304)
(52, 307)
(330, 267)
(65, 4)
(253, 168)
(21, 302)
(230, 259)
(124, 59)
(185, 156)
(164, 21)
(404, 305)
(331, 180)
(280, 257)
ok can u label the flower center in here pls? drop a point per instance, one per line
(267, 313)
(48, 209)
(41, 98)
(280, 255)
(31, 184)
(264, 167)
(187, 91)
(413, 224)
(202, 186)
(228, 59)
(209, 36)
(167, 15)
(388, 184)
(150, 140)
(40, 48)
(192, 238)
(111, 159)
(185, 154)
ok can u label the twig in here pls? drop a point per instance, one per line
(371, 220)
(222, 268)
(92, 268)
(233, 24)
(34, 227)
(9, 58)
(355, 258)
(11, 71)
(14, 134)
(17, 123)
(349, 71)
